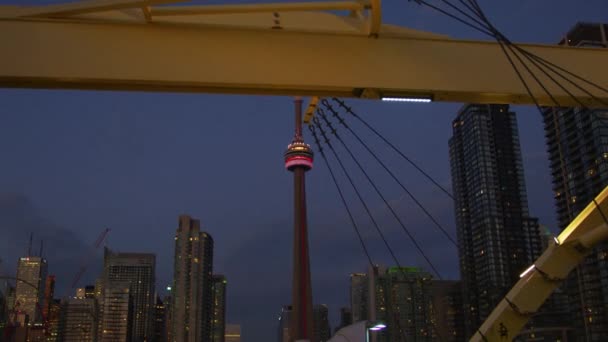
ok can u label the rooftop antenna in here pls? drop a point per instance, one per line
(29, 247)
(41, 247)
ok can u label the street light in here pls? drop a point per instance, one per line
(373, 326)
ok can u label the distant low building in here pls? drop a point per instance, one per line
(284, 320)
(233, 333)
(117, 312)
(411, 304)
(53, 321)
(218, 317)
(321, 328)
(346, 318)
(78, 320)
(447, 310)
(160, 321)
(358, 296)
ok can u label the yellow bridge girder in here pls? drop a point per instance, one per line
(275, 49)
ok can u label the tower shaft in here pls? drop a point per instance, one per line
(299, 162)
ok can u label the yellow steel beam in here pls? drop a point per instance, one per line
(146, 10)
(253, 8)
(375, 18)
(538, 281)
(91, 6)
(310, 110)
(337, 59)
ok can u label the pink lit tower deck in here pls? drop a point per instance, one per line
(298, 159)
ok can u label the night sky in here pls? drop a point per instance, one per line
(74, 162)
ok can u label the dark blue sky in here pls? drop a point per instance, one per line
(74, 162)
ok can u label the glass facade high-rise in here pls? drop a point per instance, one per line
(218, 319)
(29, 289)
(192, 289)
(138, 271)
(577, 144)
(497, 238)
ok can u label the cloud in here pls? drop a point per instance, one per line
(63, 249)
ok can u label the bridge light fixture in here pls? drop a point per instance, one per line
(415, 99)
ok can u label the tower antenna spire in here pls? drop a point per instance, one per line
(29, 246)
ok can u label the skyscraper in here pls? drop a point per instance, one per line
(29, 289)
(298, 159)
(192, 283)
(137, 270)
(218, 319)
(497, 239)
(577, 144)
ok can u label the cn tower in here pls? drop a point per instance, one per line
(298, 159)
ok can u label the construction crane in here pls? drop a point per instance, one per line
(88, 257)
(273, 49)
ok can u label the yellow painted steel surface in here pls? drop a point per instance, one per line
(307, 53)
(536, 284)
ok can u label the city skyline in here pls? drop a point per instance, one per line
(113, 130)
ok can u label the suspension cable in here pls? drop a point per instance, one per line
(352, 183)
(333, 177)
(336, 115)
(350, 111)
(409, 234)
(394, 257)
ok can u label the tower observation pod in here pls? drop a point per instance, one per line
(298, 154)
(298, 159)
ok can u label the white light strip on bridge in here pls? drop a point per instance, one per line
(407, 99)
(527, 271)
